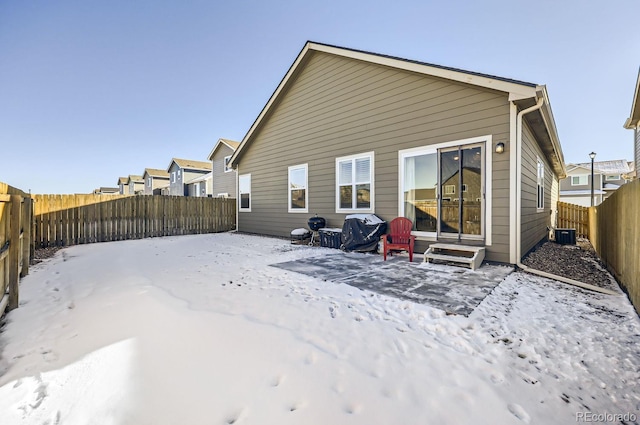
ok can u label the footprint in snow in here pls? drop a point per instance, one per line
(517, 411)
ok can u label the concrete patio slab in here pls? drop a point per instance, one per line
(455, 290)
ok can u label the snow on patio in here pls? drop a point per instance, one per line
(200, 330)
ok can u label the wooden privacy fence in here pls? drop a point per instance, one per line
(63, 220)
(572, 216)
(15, 243)
(614, 232)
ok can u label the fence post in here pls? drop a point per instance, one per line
(14, 252)
(26, 236)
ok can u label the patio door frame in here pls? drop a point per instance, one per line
(486, 178)
(460, 235)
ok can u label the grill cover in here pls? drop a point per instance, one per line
(361, 232)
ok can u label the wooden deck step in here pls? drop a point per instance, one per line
(464, 254)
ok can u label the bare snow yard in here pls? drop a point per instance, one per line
(203, 330)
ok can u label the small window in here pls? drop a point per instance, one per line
(612, 177)
(227, 169)
(244, 188)
(579, 180)
(148, 181)
(173, 177)
(354, 183)
(540, 185)
(464, 187)
(450, 189)
(297, 189)
(179, 172)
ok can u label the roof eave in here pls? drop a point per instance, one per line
(634, 117)
(547, 116)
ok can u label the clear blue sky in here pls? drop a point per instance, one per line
(94, 90)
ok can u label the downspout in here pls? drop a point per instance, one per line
(237, 170)
(518, 212)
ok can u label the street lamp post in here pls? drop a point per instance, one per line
(592, 155)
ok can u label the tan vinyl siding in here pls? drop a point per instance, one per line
(637, 151)
(339, 107)
(223, 182)
(534, 222)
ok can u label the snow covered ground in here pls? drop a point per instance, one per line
(201, 330)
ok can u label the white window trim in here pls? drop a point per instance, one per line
(226, 159)
(586, 176)
(305, 167)
(614, 177)
(540, 199)
(173, 177)
(488, 169)
(371, 209)
(240, 193)
(148, 181)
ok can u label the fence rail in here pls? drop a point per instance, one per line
(15, 243)
(574, 217)
(63, 220)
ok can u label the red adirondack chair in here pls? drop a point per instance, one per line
(399, 237)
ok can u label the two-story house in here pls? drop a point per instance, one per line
(135, 185)
(155, 180)
(182, 171)
(223, 176)
(123, 189)
(607, 177)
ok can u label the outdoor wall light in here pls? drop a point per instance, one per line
(499, 147)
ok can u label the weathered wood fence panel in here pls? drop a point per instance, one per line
(615, 234)
(63, 220)
(572, 216)
(15, 243)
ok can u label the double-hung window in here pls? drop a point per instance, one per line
(227, 169)
(173, 177)
(354, 183)
(540, 179)
(244, 189)
(298, 192)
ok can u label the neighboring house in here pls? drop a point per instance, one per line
(154, 181)
(135, 185)
(348, 131)
(607, 177)
(633, 123)
(122, 185)
(107, 191)
(200, 186)
(224, 177)
(182, 171)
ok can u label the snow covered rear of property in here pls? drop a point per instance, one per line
(200, 330)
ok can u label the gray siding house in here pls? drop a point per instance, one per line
(182, 171)
(123, 188)
(633, 123)
(348, 131)
(135, 185)
(608, 176)
(224, 177)
(155, 180)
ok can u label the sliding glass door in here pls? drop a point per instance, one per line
(461, 191)
(442, 190)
